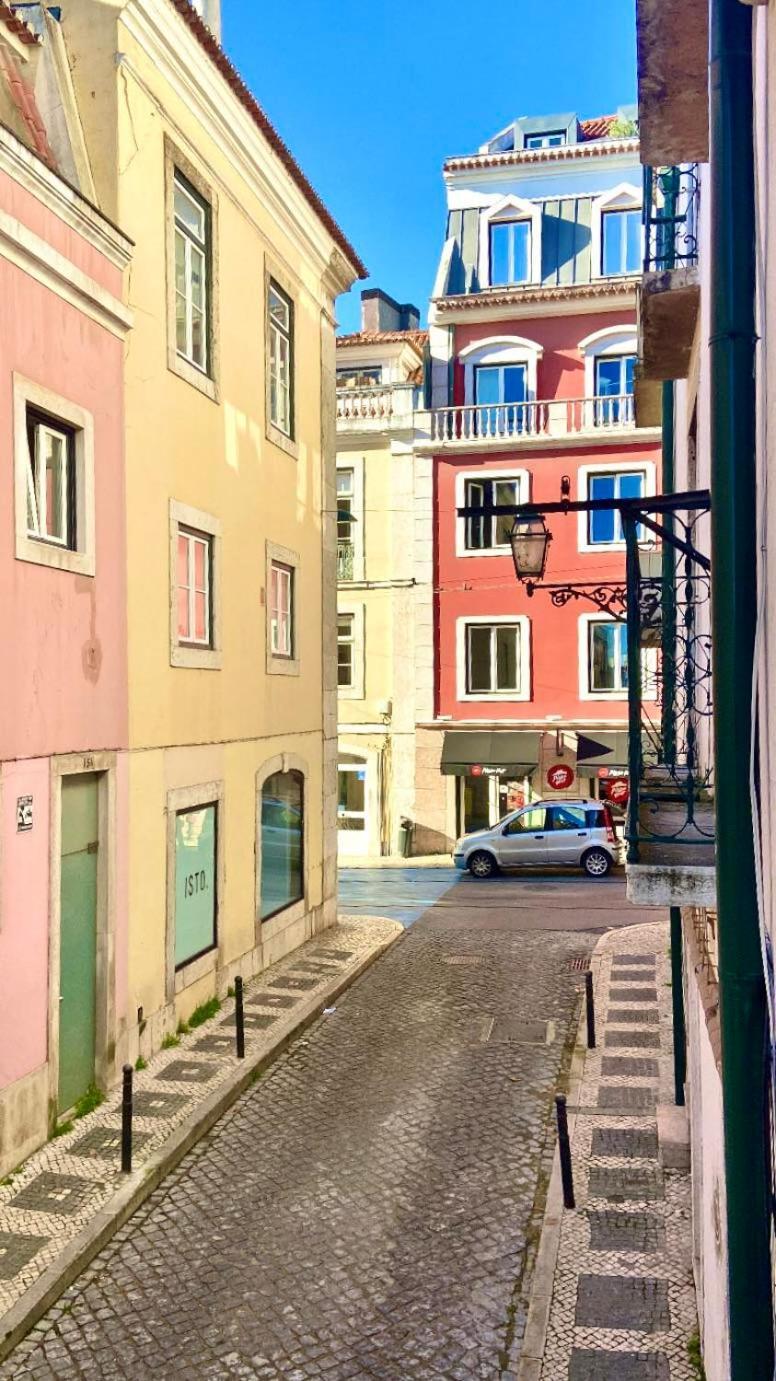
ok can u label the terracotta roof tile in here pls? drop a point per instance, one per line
(597, 128)
(416, 338)
(235, 82)
(17, 26)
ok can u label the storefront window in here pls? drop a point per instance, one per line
(282, 842)
(351, 800)
(195, 882)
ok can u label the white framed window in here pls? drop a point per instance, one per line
(616, 235)
(350, 518)
(350, 651)
(510, 252)
(192, 230)
(603, 660)
(280, 328)
(493, 658)
(281, 609)
(195, 615)
(553, 139)
(618, 480)
(53, 479)
(195, 883)
(345, 650)
(483, 536)
(500, 354)
(620, 242)
(282, 594)
(614, 375)
(195, 563)
(50, 481)
(510, 248)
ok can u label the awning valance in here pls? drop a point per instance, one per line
(514, 750)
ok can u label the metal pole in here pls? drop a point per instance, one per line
(239, 1018)
(126, 1120)
(632, 582)
(677, 998)
(564, 1147)
(734, 599)
(590, 1010)
(668, 592)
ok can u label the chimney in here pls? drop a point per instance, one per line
(379, 312)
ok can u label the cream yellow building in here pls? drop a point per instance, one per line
(379, 379)
(227, 848)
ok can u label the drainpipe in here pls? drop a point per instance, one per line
(741, 982)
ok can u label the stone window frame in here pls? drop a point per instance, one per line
(273, 273)
(179, 799)
(206, 381)
(357, 611)
(523, 625)
(27, 394)
(188, 655)
(276, 663)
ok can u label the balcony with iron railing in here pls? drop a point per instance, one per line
(346, 553)
(669, 295)
(529, 424)
(379, 408)
(670, 829)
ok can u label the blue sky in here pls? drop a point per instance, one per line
(371, 98)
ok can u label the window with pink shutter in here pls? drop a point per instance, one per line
(281, 609)
(195, 624)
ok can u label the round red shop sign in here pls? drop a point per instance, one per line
(560, 776)
(476, 770)
(618, 790)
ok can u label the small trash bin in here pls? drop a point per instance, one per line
(406, 830)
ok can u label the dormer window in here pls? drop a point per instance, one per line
(620, 242)
(510, 252)
(553, 139)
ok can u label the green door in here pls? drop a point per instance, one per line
(77, 937)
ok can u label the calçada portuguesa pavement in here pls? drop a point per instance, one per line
(371, 1206)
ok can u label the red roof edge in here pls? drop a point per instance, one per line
(233, 79)
(17, 26)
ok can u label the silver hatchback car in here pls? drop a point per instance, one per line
(575, 834)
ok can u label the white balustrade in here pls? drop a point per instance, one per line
(381, 404)
(532, 420)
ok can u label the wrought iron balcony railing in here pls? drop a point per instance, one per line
(671, 813)
(671, 197)
(345, 560)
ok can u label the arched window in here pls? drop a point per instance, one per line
(282, 842)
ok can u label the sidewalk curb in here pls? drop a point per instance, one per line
(33, 1304)
(535, 1337)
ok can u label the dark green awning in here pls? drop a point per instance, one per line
(516, 750)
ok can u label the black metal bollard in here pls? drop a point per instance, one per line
(564, 1146)
(590, 1005)
(239, 1017)
(126, 1121)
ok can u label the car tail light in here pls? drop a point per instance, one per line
(609, 822)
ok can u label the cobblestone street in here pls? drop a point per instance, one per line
(368, 1208)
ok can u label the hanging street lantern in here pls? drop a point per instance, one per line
(530, 539)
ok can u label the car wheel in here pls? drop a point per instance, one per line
(482, 865)
(596, 863)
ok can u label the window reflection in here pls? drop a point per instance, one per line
(282, 840)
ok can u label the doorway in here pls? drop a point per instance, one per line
(352, 802)
(78, 901)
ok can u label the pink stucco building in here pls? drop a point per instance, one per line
(63, 703)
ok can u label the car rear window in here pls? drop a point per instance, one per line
(596, 820)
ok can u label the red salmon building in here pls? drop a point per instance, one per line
(532, 331)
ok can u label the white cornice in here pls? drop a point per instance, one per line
(181, 62)
(46, 265)
(21, 164)
(445, 311)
